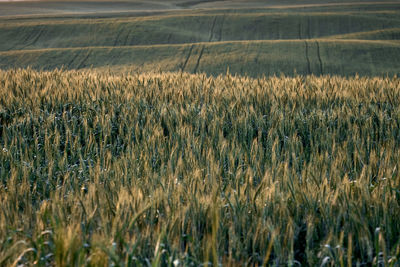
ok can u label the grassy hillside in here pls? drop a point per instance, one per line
(319, 56)
(273, 39)
(178, 29)
(179, 169)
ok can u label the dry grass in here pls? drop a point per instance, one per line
(168, 169)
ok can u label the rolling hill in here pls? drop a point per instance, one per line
(330, 38)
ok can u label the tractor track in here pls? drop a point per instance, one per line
(220, 29)
(73, 59)
(29, 36)
(212, 29)
(127, 37)
(187, 58)
(84, 59)
(35, 38)
(319, 58)
(198, 60)
(308, 58)
(117, 37)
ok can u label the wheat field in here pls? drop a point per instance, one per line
(177, 169)
(289, 37)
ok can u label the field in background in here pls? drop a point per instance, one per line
(179, 169)
(254, 38)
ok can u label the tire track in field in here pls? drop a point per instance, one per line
(198, 60)
(187, 58)
(220, 29)
(126, 38)
(29, 36)
(319, 59)
(212, 29)
(35, 38)
(308, 59)
(69, 64)
(246, 58)
(117, 37)
(84, 59)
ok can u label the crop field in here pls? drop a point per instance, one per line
(183, 169)
(199, 133)
(255, 39)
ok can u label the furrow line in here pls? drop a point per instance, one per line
(220, 29)
(29, 36)
(126, 38)
(319, 58)
(38, 36)
(212, 29)
(73, 59)
(308, 59)
(117, 37)
(198, 60)
(84, 59)
(187, 58)
(34, 38)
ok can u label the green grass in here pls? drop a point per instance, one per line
(100, 169)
